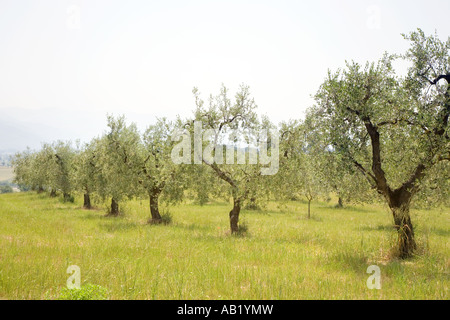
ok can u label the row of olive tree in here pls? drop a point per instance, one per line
(119, 165)
(371, 131)
(49, 168)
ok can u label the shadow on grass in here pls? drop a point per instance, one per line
(58, 208)
(304, 240)
(349, 208)
(380, 227)
(440, 232)
(354, 261)
(260, 211)
(191, 227)
(118, 226)
(92, 215)
(390, 264)
(312, 218)
(207, 204)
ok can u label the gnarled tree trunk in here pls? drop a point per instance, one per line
(114, 208)
(234, 215)
(398, 199)
(154, 207)
(252, 205)
(340, 203)
(237, 197)
(53, 193)
(309, 209)
(399, 203)
(406, 242)
(66, 197)
(87, 201)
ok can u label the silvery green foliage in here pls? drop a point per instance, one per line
(409, 114)
(85, 168)
(335, 172)
(435, 188)
(50, 168)
(156, 170)
(116, 158)
(61, 166)
(231, 121)
(44, 168)
(203, 185)
(300, 165)
(25, 170)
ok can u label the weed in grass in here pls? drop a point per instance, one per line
(86, 292)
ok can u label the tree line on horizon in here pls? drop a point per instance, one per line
(372, 135)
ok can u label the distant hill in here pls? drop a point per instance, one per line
(5, 158)
(6, 174)
(20, 128)
(16, 136)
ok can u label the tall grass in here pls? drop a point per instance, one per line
(282, 255)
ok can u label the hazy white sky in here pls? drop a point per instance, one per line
(67, 63)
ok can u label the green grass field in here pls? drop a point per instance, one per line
(283, 256)
(6, 173)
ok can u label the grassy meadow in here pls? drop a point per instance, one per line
(283, 255)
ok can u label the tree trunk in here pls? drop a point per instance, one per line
(252, 205)
(340, 203)
(154, 208)
(399, 202)
(53, 193)
(114, 208)
(309, 208)
(87, 201)
(234, 216)
(406, 241)
(40, 189)
(398, 199)
(66, 197)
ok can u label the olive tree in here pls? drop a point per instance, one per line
(335, 173)
(392, 128)
(299, 165)
(226, 128)
(116, 152)
(143, 162)
(46, 168)
(50, 168)
(158, 174)
(85, 171)
(26, 171)
(61, 162)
